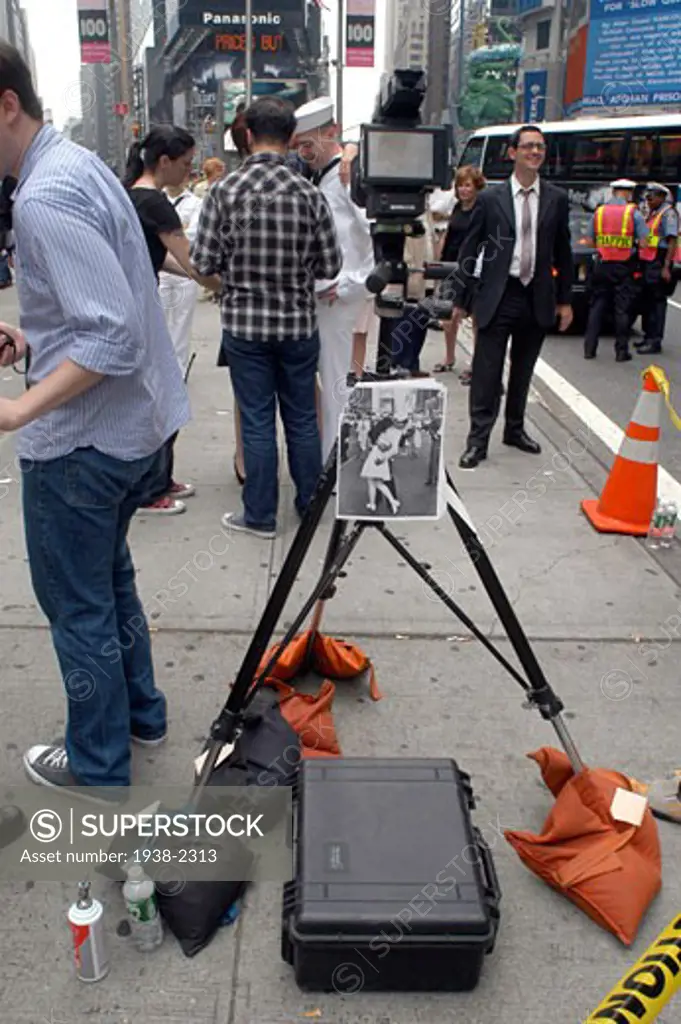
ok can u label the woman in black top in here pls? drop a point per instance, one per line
(164, 158)
(468, 183)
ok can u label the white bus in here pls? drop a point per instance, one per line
(583, 157)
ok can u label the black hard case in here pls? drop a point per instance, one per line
(394, 887)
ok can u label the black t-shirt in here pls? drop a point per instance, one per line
(157, 216)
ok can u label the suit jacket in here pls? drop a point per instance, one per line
(493, 227)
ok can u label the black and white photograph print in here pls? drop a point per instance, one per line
(391, 463)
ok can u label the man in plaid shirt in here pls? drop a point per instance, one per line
(270, 235)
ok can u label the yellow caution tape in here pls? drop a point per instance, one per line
(660, 378)
(646, 989)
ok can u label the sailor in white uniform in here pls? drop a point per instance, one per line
(339, 302)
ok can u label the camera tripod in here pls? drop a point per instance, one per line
(343, 541)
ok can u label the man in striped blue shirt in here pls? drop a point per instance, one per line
(104, 393)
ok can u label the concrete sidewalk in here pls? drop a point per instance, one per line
(589, 602)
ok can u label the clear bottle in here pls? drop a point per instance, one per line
(654, 539)
(669, 528)
(139, 894)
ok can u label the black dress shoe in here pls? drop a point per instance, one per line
(649, 350)
(589, 355)
(624, 357)
(524, 442)
(472, 457)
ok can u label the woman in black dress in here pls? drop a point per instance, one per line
(468, 183)
(164, 158)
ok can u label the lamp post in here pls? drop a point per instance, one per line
(249, 52)
(339, 65)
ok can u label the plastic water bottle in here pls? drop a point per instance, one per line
(139, 894)
(669, 528)
(657, 524)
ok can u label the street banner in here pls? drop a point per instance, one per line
(360, 34)
(534, 96)
(93, 32)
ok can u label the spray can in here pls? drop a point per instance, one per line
(86, 918)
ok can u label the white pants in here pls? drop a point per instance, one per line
(179, 297)
(336, 327)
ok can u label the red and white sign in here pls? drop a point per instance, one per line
(93, 32)
(360, 34)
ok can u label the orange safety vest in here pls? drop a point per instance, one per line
(615, 234)
(648, 252)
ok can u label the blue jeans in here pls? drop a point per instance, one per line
(77, 510)
(263, 372)
(5, 272)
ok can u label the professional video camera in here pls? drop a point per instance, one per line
(401, 161)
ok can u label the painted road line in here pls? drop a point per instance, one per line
(672, 303)
(598, 423)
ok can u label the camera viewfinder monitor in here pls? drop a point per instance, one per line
(405, 158)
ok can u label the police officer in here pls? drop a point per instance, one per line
(657, 257)
(617, 227)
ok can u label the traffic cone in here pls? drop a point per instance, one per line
(630, 495)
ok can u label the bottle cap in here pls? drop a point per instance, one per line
(136, 873)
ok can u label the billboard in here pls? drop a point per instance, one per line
(93, 32)
(633, 54)
(360, 33)
(534, 96)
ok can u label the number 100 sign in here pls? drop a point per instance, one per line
(93, 29)
(360, 33)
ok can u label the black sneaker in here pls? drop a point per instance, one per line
(48, 765)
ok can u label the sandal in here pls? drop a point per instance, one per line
(444, 368)
(465, 377)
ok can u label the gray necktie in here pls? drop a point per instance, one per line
(526, 239)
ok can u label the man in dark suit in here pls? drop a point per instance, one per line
(522, 228)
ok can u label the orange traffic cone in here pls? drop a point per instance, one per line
(630, 495)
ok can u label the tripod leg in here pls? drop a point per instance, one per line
(329, 575)
(541, 693)
(406, 554)
(226, 726)
(337, 535)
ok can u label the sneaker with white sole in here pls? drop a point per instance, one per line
(48, 765)
(178, 490)
(237, 522)
(664, 798)
(165, 506)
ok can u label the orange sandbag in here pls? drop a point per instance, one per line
(335, 659)
(310, 716)
(611, 870)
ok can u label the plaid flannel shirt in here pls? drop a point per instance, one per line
(270, 236)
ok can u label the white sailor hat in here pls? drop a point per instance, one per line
(623, 183)
(655, 186)
(315, 114)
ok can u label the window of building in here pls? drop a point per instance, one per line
(544, 34)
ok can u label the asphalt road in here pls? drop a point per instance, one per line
(613, 386)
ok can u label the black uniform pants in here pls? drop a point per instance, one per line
(514, 318)
(654, 303)
(612, 287)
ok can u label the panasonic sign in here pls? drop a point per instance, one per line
(211, 19)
